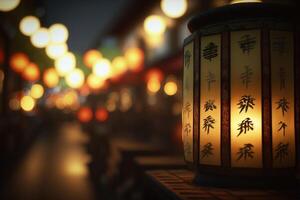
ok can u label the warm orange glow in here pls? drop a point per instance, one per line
(101, 114)
(8, 5)
(85, 114)
(154, 25)
(75, 79)
(18, 62)
(153, 85)
(29, 25)
(37, 91)
(50, 78)
(95, 82)
(154, 74)
(170, 88)
(40, 38)
(135, 58)
(90, 57)
(1, 55)
(31, 73)
(119, 65)
(102, 68)
(27, 103)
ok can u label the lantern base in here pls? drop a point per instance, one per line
(247, 181)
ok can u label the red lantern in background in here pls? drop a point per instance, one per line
(18, 62)
(31, 72)
(154, 74)
(85, 114)
(101, 114)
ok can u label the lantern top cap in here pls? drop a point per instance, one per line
(241, 11)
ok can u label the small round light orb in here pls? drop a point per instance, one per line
(153, 85)
(40, 38)
(31, 72)
(94, 82)
(119, 65)
(18, 62)
(174, 8)
(36, 91)
(27, 103)
(75, 79)
(29, 25)
(50, 77)
(58, 33)
(154, 25)
(170, 88)
(90, 57)
(85, 114)
(135, 58)
(102, 68)
(101, 114)
(65, 64)
(55, 50)
(8, 5)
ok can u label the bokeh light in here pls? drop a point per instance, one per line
(29, 25)
(154, 25)
(170, 88)
(101, 114)
(50, 78)
(31, 72)
(8, 5)
(55, 50)
(153, 85)
(75, 79)
(95, 82)
(14, 104)
(40, 38)
(65, 64)
(36, 91)
(85, 114)
(102, 68)
(245, 1)
(90, 57)
(58, 33)
(119, 65)
(27, 103)
(174, 8)
(135, 58)
(18, 62)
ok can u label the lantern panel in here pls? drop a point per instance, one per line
(188, 97)
(283, 116)
(246, 111)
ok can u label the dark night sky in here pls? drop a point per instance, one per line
(85, 19)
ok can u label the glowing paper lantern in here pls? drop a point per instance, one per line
(154, 25)
(18, 62)
(40, 38)
(55, 50)
(31, 72)
(135, 58)
(36, 91)
(102, 68)
(85, 114)
(174, 8)
(58, 33)
(170, 88)
(50, 78)
(90, 57)
(8, 5)
(65, 64)
(101, 114)
(29, 25)
(27, 103)
(240, 113)
(94, 82)
(75, 79)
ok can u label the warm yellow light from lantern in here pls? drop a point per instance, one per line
(102, 68)
(31, 72)
(8, 5)
(154, 25)
(170, 88)
(75, 79)
(245, 1)
(36, 91)
(40, 38)
(65, 64)
(18, 62)
(95, 82)
(55, 50)
(119, 65)
(27, 103)
(50, 78)
(174, 8)
(29, 25)
(58, 33)
(135, 58)
(153, 85)
(91, 56)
